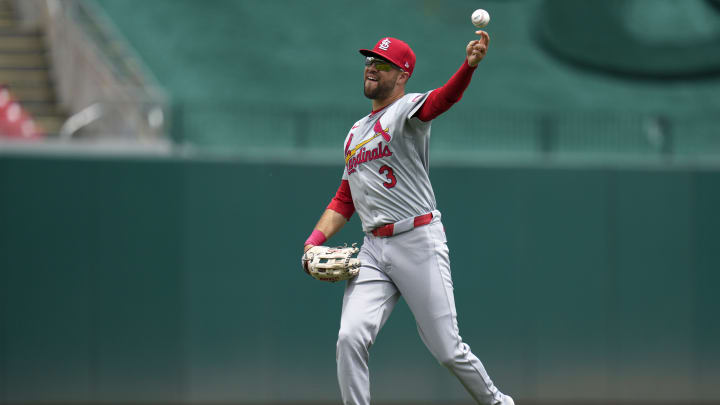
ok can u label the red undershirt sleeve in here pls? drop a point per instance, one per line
(342, 203)
(444, 97)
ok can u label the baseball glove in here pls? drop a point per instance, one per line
(331, 263)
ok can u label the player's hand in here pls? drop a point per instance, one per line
(477, 49)
(307, 247)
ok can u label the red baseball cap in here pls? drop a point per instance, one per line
(394, 50)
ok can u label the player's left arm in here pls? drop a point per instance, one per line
(444, 97)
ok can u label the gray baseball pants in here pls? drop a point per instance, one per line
(414, 264)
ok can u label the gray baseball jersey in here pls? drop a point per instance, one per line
(387, 164)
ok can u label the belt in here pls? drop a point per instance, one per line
(402, 226)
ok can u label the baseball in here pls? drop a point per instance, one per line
(480, 18)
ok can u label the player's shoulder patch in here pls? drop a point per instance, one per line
(415, 101)
(414, 97)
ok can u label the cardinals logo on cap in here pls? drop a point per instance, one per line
(385, 44)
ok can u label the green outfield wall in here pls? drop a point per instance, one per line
(166, 279)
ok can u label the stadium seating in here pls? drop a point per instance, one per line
(284, 76)
(25, 72)
(15, 121)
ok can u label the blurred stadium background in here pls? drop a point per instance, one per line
(161, 162)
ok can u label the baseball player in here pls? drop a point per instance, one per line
(404, 252)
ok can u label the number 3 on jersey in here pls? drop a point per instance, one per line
(391, 180)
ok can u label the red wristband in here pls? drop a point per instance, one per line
(316, 238)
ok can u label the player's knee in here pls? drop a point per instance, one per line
(349, 338)
(450, 357)
(443, 355)
(447, 360)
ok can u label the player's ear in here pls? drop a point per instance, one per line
(403, 78)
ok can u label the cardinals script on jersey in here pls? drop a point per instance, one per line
(388, 182)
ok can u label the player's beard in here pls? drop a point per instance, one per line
(381, 91)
